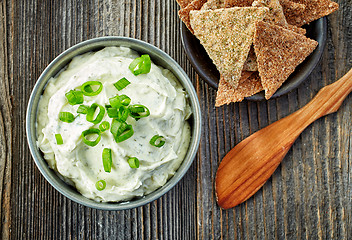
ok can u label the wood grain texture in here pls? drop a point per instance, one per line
(308, 197)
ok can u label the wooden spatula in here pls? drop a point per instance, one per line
(245, 169)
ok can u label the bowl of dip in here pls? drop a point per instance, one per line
(113, 123)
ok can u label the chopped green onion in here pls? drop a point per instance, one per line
(139, 111)
(91, 113)
(104, 126)
(82, 109)
(115, 101)
(88, 132)
(107, 159)
(133, 162)
(122, 113)
(74, 97)
(125, 100)
(66, 117)
(112, 112)
(87, 89)
(59, 140)
(121, 84)
(126, 134)
(157, 141)
(117, 127)
(140, 65)
(121, 130)
(100, 185)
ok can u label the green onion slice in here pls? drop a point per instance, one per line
(138, 111)
(121, 84)
(115, 101)
(87, 88)
(59, 140)
(91, 131)
(100, 185)
(117, 127)
(121, 130)
(125, 100)
(133, 162)
(74, 97)
(140, 65)
(107, 159)
(66, 117)
(126, 134)
(157, 141)
(83, 109)
(91, 113)
(112, 112)
(122, 113)
(104, 126)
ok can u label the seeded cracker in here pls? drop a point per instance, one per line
(183, 3)
(251, 62)
(292, 10)
(184, 12)
(276, 14)
(279, 51)
(227, 35)
(213, 4)
(249, 85)
(314, 10)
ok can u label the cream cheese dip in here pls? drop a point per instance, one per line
(81, 165)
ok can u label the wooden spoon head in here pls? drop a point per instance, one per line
(245, 169)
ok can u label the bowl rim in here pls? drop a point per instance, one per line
(62, 60)
(303, 73)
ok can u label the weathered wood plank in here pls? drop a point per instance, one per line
(5, 128)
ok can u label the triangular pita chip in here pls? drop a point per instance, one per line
(276, 15)
(227, 35)
(250, 63)
(238, 3)
(213, 4)
(249, 85)
(183, 3)
(279, 51)
(314, 10)
(184, 12)
(292, 10)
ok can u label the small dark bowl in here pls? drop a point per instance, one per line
(204, 66)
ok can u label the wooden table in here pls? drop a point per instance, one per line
(308, 197)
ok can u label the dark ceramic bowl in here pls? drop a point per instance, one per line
(204, 66)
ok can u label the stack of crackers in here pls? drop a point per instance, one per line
(255, 44)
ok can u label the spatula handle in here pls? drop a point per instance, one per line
(328, 99)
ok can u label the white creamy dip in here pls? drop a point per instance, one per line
(81, 165)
